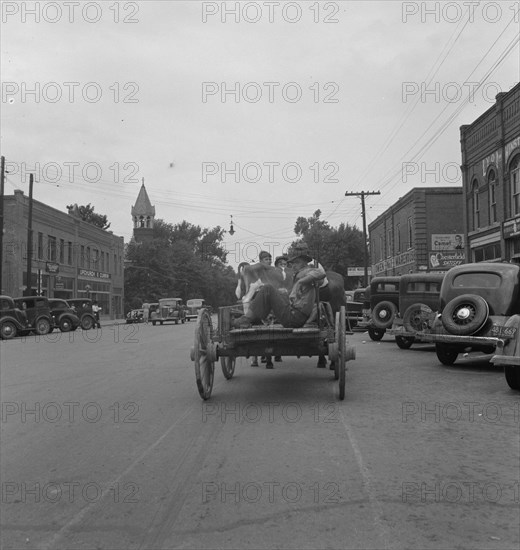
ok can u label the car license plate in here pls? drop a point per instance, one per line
(503, 332)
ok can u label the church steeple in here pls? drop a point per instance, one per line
(143, 215)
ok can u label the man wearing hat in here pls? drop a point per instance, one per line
(291, 310)
(287, 273)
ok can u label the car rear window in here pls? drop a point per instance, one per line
(477, 280)
(423, 286)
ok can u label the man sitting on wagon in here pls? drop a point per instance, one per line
(291, 310)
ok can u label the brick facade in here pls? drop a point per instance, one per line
(419, 232)
(71, 258)
(491, 181)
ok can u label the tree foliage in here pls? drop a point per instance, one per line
(87, 214)
(336, 248)
(182, 260)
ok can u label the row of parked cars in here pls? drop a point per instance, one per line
(40, 315)
(167, 310)
(471, 307)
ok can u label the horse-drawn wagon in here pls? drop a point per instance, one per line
(324, 337)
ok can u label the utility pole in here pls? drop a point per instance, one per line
(363, 194)
(28, 287)
(2, 179)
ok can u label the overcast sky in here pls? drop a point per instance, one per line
(331, 97)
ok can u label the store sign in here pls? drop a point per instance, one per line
(447, 241)
(405, 258)
(92, 274)
(495, 158)
(357, 271)
(511, 146)
(511, 228)
(52, 267)
(446, 259)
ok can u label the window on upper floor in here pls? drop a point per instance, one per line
(492, 181)
(515, 185)
(476, 205)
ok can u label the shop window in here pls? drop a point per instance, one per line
(487, 253)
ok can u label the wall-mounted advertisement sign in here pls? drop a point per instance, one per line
(93, 274)
(447, 241)
(446, 259)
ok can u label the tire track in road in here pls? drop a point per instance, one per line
(54, 542)
(368, 483)
(193, 458)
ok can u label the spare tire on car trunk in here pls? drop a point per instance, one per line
(465, 314)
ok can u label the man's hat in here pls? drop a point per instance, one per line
(300, 250)
(279, 258)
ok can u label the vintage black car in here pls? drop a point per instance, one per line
(384, 305)
(38, 314)
(170, 309)
(193, 306)
(477, 302)
(353, 308)
(63, 315)
(419, 298)
(13, 320)
(83, 309)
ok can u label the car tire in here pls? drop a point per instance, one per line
(446, 354)
(465, 315)
(7, 330)
(383, 314)
(87, 322)
(404, 342)
(512, 377)
(413, 319)
(65, 324)
(42, 326)
(375, 333)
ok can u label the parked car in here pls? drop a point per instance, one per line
(63, 315)
(38, 313)
(508, 355)
(83, 309)
(363, 295)
(419, 296)
(170, 309)
(152, 311)
(135, 316)
(193, 306)
(13, 320)
(479, 303)
(384, 305)
(353, 309)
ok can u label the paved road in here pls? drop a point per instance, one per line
(106, 444)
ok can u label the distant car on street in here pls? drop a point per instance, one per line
(38, 313)
(170, 309)
(193, 306)
(83, 309)
(135, 316)
(63, 315)
(13, 320)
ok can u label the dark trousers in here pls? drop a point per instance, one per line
(268, 298)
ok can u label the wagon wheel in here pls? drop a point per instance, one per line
(204, 367)
(228, 366)
(340, 370)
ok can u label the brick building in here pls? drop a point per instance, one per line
(422, 231)
(71, 258)
(491, 181)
